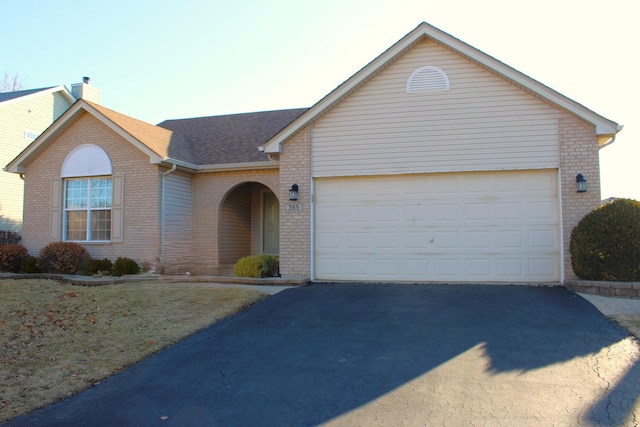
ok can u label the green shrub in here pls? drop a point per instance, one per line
(124, 265)
(270, 265)
(605, 245)
(63, 258)
(102, 267)
(30, 265)
(10, 238)
(11, 257)
(257, 266)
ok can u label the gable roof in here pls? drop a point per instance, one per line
(159, 144)
(21, 94)
(605, 128)
(205, 143)
(231, 138)
(164, 143)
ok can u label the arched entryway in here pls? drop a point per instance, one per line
(249, 223)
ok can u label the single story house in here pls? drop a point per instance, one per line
(433, 163)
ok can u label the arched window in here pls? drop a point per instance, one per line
(88, 194)
(427, 80)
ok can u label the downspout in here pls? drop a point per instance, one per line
(162, 215)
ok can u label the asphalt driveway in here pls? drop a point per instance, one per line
(401, 354)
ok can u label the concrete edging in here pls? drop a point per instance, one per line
(607, 289)
(101, 281)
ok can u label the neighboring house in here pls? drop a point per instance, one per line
(24, 115)
(435, 162)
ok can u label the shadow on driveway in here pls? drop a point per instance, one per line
(310, 355)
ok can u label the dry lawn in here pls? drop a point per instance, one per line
(58, 339)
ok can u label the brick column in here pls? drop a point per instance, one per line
(578, 154)
(295, 225)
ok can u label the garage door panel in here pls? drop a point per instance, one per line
(543, 239)
(478, 268)
(510, 267)
(443, 227)
(509, 239)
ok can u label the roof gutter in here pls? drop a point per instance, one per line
(605, 140)
(223, 167)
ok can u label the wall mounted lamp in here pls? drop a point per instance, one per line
(581, 183)
(293, 192)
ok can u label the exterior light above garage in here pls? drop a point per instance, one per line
(581, 183)
(293, 192)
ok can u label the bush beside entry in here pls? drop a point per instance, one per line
(257, 266)
(605, 245)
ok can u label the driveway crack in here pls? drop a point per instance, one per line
(222, 370)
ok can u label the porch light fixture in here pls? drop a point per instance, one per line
(293, 192)
(581, 183)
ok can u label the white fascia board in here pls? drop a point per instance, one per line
(154, 158)
(62, 89)
(273, 146)
(16, 164)
(231, 167)
(603, 126)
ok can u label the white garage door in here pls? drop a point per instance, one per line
(468, 227)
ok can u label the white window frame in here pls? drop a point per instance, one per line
(88, 209)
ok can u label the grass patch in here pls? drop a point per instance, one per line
(58, 339)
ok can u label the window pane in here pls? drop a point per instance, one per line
(100, 225)
(76, 194)
(76, 225)
(101, 193)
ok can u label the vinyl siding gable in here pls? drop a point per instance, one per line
(17, 118)
(482, 123)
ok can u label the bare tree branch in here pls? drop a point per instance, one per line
(10, 84)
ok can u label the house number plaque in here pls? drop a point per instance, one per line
(293, 207)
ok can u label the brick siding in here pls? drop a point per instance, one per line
(295, 226)
(141, 192)
(210, 192)
(578, 154)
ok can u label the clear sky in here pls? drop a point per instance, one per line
(157, 59)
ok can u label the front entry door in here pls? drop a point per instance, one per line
(271, 225)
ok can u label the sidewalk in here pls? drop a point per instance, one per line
(610, 306)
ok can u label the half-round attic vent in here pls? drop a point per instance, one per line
(427, 80)
(86, 160)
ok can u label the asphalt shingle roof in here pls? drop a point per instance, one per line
(7, 96)
(231, 138)
(162, 141)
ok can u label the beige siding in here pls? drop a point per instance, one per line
(482, 123)
(141, 182)
(178, 223)
(33, 114)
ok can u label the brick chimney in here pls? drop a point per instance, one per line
(85, 91)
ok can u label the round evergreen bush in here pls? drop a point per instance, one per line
(124, 266)
(605, 245)
(257, 266)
